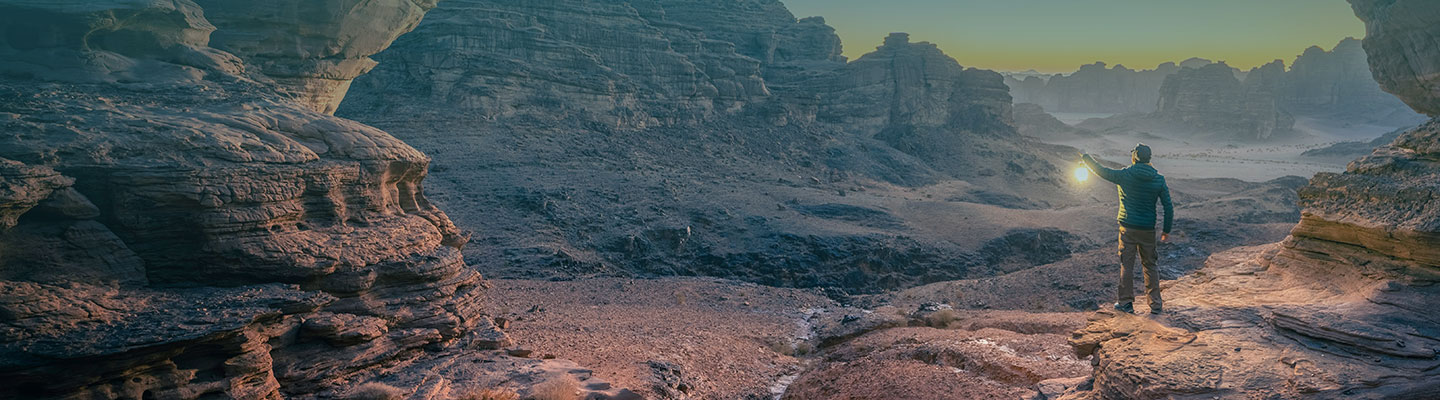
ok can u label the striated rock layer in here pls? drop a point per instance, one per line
(178, 221)
(1400, 39)
(1341, 309)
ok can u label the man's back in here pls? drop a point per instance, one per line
(1140, 186)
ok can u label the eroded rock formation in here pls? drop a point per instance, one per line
(1094, 88)
(697, 109)
(622, 65)
(1340, 309)
(1399, 38)
(1319, 83)
(181, 221)
(1211, 101)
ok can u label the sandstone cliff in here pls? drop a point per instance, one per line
(180, 221)
(1398, 38)
(619, 64)
(1094, 88)
(1210, 101)
(1341, 309)
(677, 137)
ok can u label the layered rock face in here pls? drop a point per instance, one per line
(1212, 101)
(1398, 38)
(313, 62)
(1341, 309)
(624, 65)
(178, 221)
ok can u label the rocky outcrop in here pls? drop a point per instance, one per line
(1210, 101)
(1096, 89)
(180, 221)
(1325, 84)
(622, 64)
(922, 102)
(1340, 309)
(1399, 38)
(312, 50)
(1338, 83)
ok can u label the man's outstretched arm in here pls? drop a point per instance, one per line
(1112, 175)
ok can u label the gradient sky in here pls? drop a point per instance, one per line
(1060, 35)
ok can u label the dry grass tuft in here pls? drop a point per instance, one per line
(561, 388)
(491, 394)
(375, 391)
(941, 319)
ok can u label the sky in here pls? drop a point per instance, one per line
(1060, 35)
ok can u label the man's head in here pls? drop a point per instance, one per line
(1141, 154)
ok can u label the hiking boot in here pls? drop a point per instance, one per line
(1125, 307)
(1155, 309)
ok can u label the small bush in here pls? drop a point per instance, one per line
(780, 346)
(804, 348)
(941, 319)
(491, 394)
(375, 391)
(562, 388)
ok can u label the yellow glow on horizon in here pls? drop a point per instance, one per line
(1058, 36)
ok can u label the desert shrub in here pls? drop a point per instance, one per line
(780, 346)
(375, 391)
(562, 388)
(491, 394)
(804, 348)
(941, 319)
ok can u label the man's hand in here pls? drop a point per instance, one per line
(1164, 237)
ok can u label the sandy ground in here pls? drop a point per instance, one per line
(733, 340)
(729, 339)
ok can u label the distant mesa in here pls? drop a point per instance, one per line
(1335, 84)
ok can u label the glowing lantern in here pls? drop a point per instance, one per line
(1081, 174)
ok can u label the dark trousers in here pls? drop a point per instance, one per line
(1138, 242)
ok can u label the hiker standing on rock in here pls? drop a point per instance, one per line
(1139, 185)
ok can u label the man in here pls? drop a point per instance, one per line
(1139, 185)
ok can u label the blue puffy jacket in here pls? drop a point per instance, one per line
(1140, 185)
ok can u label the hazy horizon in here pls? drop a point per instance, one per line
(1058, 36)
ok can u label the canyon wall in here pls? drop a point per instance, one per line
(1210, 99)
(616, 64)
(180, 218)
(739, 132)
(1340, 309)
